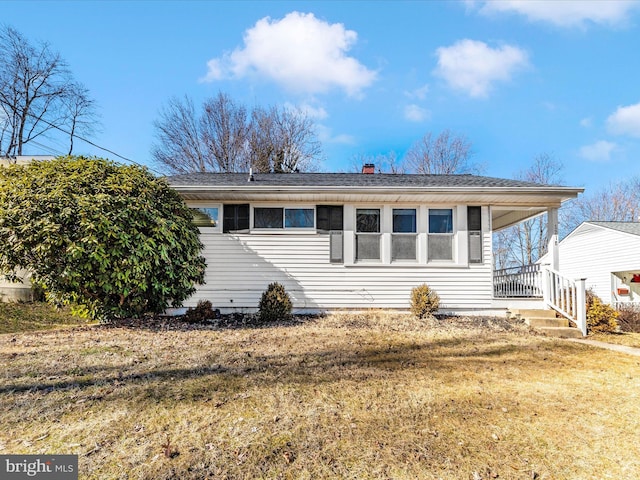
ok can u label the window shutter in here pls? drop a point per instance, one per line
(336, 246)
(475, 247)
(329, 217)
(235, 217)
(474, 225)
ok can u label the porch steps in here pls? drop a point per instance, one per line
(545, 321)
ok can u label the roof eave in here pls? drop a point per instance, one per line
(551, 195)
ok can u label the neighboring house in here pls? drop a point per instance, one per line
(10, 291)
(607, 255)
(340, 240)
(23, 159)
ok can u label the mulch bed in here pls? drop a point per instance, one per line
(385, 321)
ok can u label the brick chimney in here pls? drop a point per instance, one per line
(368, 168)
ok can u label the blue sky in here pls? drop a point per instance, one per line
(518, 79)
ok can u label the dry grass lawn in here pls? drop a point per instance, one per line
(626, 338)
(347, 396)
(21, 317)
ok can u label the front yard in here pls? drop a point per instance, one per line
(346, 396)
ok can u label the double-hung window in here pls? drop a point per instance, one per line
(404, 236)
(278, 217)
(368, 234)
(440, 237)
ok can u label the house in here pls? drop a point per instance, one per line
(23, 159)
(607, 256)
(10, 291)
(363, 240)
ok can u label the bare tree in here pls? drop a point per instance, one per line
(384, 163)
(225, 137)
(180, 147)
(36, 88)
(445, 154)
(82, 117)
(224, 127)
(526, 242)
(283, 140)
(617, 202)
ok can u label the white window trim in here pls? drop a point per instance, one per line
(453, 235)
(380, 235)
(416, 234)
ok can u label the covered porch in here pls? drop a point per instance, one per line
(538, 285)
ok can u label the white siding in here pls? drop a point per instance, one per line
(240, 267)
(10, 291)
(594, 253)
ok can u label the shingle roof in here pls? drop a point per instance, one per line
(344, 180)
(626, 227)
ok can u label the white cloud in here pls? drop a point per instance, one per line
(419, 93)
(316, 113)
(473, 67)
(325, 135)
(300, 52)
(625, 121)
(586, 122)
(599, 151)
(565, 13)
(415, 113)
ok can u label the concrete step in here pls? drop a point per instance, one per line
(560, 332)
(538, 313)
(546, 322)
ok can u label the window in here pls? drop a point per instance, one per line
(267, 217)
(440, 238)
(474, 225)
(367, 234)
(236, 217)
(282, 217)
(205, 216)
(298, 217)
(403, 239)
(329, 217)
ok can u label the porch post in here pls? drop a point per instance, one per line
(581, 304)
(552, 238)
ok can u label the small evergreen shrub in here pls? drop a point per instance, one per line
(629, 318)
(275, 304)
(601, 318)
(424, 301)
(201, 313)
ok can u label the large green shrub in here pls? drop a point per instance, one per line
(424, 301)
(111, 240)
(275, 304)
(601, 318)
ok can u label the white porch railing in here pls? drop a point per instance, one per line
(619, 305)
(518, 282)
(566, 296)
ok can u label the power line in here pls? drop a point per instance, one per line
(46, 148)
(94, 144)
